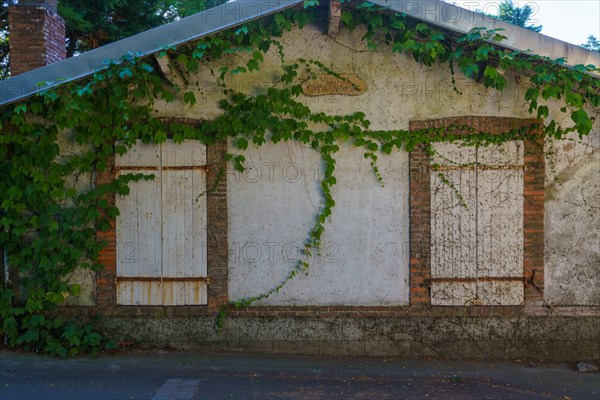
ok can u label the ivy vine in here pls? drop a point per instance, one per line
(52, 210)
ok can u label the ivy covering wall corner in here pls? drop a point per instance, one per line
(48, 226)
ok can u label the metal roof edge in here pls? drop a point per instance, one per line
(434, 12)
(458, 19)
(151, 41)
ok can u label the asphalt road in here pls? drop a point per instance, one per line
(195, 376)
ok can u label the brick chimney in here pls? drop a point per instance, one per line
(37, 35)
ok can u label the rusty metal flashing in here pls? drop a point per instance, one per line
(480, 278)
(165, 168)
(160, 279)
(480, 167)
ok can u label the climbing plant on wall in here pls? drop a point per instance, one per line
(51, 209)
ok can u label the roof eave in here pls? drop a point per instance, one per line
(448, 16)
(185, 30)
(228, 15)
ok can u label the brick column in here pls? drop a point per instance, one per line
(420, 225)
(217, 221)
(106, 294)
(533, 220)
(37, 35)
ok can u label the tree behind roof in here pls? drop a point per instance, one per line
(520, 16)
(91, 24)
(592, 44)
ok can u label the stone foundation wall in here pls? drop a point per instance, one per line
(547, 338)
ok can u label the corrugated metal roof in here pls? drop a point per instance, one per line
(434, 12)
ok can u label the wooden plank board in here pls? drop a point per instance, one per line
(199, 238)
(453, 234)
(453, 154)
(496, 293)
(173, 222)
(184, 293)
(485, 240)
(196, 293)
(136, 293)
(184, 220)
(173, 294)
(453, 293)
(184, 223)
(188, 153)
(500, 223)
(138, 230)
(488, 293)
(161, 231)
(510, 153)
(140, 154)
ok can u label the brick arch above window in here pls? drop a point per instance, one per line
(532, 164)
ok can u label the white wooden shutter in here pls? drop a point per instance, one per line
(184, 223)
(477, 251)
(161, 229)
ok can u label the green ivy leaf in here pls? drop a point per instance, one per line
(346, 18)
(37, 108)
(471, 70)
(365, 4)
(437, 36)
(75, 289)
(280, 19)
(252, 65)
(242, 30)
(197, 53)
(189, 98)
(542, 112)
(242, 144)
(125, 73)
(582, 121)
(482, 53)
(160, 137)
(574, 99)
(421, 27)
(20, 108)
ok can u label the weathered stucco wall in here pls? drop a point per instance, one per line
(572, 262)
(364, 258)
(273, 204)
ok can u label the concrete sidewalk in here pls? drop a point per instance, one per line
(191, 376)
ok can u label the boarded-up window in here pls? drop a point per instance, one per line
(477, 225)
(161, 229)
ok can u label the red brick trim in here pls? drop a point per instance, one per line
(420, 225)
(217, 229)
(533, 205)
(533, 222)
(217, 232)
(106, 294)
(327, 311)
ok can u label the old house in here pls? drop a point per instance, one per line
(469, 251)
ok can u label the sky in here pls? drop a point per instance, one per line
(568, 20)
